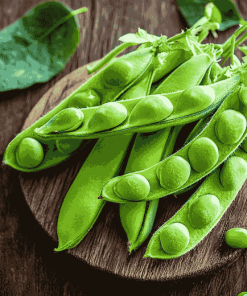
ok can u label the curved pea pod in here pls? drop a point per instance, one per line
(188, 69)
(137, 218)
(170, 61)
(100, 88)
(81, 205)
(199, 215)
(194, 161)
(176, 108)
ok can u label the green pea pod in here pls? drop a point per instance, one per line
(107, 85)
(137, 218)
(81, 205)
(221, 137)
(188, 74)
(81, 208)
(201, 212)
(149, 113)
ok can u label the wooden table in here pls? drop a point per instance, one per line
(28, 264)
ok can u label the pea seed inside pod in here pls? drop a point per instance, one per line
(107, 116)
(66, 120)
(84, 99)
(118, 73)
(133, 187)
(230, 126)
(29, 153)
(236, 238)
(204, 210)
(195, 99)
(173, 172)
(174, 238)
(151, 109)
(203, 154)
(233, 173)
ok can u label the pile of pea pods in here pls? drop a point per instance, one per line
(139, 102)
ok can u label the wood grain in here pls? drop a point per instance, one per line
(105, 246)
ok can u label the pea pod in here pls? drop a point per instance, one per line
(201, 212)
(221, 137)
(151, 113)
(99, 88)
(137, 218)
(81, 205)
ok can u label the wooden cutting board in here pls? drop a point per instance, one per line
(105, 246)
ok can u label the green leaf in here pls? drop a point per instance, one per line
(37, 46)
(141, 37)
(212, 13)
(193, 11)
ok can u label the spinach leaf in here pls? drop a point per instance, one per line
(193, 10)
(37, 46)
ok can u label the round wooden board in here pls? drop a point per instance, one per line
(105, 246)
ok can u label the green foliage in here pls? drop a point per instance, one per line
(37, 46)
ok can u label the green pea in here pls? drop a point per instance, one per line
(174, 238)
(244, 144)
(195, 99)
(150, 110)
(204, 210)
(107, 116)
(243, 294)
(236, 238)
(29, 153)
(132, 187)
(66, 120)
(118, 73)
(203, 154)
(88, 98)
(68, 145)
(233, 173)
(173, 172)
(230, 126)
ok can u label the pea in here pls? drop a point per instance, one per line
(68, 119)
(236, 238)
(203, 210)
(88, 98)
(29, 153)
(243, 294)
(195, 99)
(132, 187)
(173, 172)
(107, 116)
(119, 72)
(150, 110)
(233, 173)
(174, 238)
(203, 154)
(230, 126)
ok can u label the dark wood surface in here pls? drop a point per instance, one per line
(105, 247)
(28, 264)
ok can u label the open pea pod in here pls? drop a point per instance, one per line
(221, 137)
(137, 218)
(145, 114)
(107, 85)
(201, 213)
